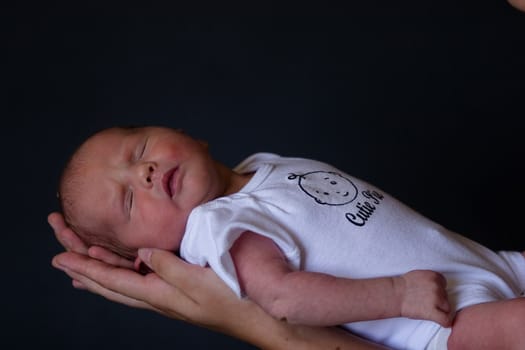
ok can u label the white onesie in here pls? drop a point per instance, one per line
(325, 220)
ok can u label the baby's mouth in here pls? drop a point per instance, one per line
(169, 182)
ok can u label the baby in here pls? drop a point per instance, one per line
(306, 241)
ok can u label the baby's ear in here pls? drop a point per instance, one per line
(140, 267)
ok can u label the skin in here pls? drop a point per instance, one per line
(518, 4)
(319, 299)
(187, 292)
(125, 191)
(126, 185)
(136, 170)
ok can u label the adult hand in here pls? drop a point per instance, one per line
(187, 292)
(193, 293)
(519, 4)
(196, 295)
(71, 242)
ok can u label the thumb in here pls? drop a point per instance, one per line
(172, 269)
(164, 263)
(144, 256)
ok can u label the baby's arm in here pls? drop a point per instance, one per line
(324, 300)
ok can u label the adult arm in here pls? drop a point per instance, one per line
(189, 293)
(323, 300)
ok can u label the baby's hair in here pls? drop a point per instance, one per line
(69, 185)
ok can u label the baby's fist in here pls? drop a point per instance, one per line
(424, 296)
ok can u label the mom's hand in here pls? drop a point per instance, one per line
(187, 292)
(175, 288)
(72, 243)
(519, 4)
(196, 295)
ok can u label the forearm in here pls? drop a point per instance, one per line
(323, 300)
(322, 338)
(307, 297)
(268, 333)
(319, 299)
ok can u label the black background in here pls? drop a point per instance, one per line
(421, 98)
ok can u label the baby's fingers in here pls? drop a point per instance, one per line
(444, 318)
(443, 309)
(444, 305)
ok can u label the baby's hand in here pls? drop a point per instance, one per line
(424, 296)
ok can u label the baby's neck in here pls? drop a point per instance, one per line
(240, 181)
(233, 181)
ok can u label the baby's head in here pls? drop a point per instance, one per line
(127, 188)
(79, 209)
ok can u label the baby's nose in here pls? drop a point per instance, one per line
(146, 173)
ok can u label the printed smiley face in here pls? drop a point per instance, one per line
(327, 187)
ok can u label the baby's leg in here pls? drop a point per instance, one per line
(494, 325)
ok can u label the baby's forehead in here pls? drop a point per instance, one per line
(96, 199)
(107, 135)
(99, 144)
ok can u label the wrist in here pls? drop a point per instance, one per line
(399, 290)
(253, 325)
(284, 336)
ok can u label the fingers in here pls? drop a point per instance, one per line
(444, 318)
(56, 221)
(443, 314)
(426, 297)
(441, 293)
(125, 286)
(69, 239)
(201, 296)
(438, 311)
(187, 277)
(78, 284)
(71, 242)
(98, 277)
(104, 274)
(444, 305)
(165, 264)
(83, 282)
(109, 257)
(443, 310)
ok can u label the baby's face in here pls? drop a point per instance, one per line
(141, 184)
